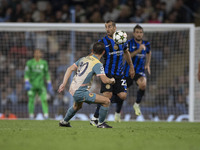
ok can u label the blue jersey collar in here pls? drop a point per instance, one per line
(95, 56)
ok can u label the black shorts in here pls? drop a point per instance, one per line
(130, 81)
(119, 86)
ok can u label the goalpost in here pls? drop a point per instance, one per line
(195, 111)
(171, 87)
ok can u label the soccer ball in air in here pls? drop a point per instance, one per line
(120, 37)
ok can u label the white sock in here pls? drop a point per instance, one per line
(31, 116)
(94, 118)
(117, 113)
(63, 121)
(137, 104)
(100, 123)
(46, 115)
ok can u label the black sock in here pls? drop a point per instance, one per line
(118, 101)
(140, 94)
(119, 105)
(113, 99)
(96, 114)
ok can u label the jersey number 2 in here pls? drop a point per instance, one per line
(123, 82)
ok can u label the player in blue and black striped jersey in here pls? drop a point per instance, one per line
(113, 64)
(141, 57)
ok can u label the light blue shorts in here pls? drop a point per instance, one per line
(84, 96)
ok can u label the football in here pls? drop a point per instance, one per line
(120, 37)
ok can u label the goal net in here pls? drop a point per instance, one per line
(168, 87)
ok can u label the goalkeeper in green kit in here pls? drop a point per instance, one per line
(36, 71)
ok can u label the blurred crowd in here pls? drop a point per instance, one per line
(89, 11)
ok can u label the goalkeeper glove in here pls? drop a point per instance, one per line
(28, 86)
(50, 89)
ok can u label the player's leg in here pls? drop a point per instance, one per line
(121, 89)
(106, 89)
(70, 113)
(31, 104)
(119, 99)
(95, 118)
(103, 111)
(43, 96)
(141, 82)
(96, 114)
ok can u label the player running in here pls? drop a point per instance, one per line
(85, 68)
(113, 64)
(141, 57)
(36, 71)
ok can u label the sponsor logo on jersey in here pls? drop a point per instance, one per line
(116, 53)
(41, 66)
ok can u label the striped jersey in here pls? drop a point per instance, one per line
(113, 58)
(86, 68)
(139, 59)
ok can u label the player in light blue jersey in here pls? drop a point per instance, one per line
(85, 68)
(141, 57)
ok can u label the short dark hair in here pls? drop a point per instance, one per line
(111, 21)
(137, 27)
(98, 48)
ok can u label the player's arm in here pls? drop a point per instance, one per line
(99, 71)
(107, 80)
(148, 61)
(27, 76)
(127, 57)
(148, 57)
(48, 79)
(139, 50)
(66, 76)
(199, 72)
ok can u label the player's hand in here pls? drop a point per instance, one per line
(61, 88)
(27, 86)
(132, 72)
(148, 69)
(125, 46)
(142, 47)
(112, 80)
(50, 89)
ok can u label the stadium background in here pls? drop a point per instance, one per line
(161, 99)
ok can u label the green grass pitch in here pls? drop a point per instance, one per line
(47, 135)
